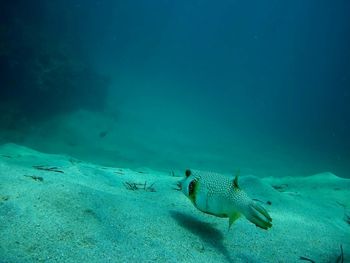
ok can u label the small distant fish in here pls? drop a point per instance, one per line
(103, 134)
(219, 195)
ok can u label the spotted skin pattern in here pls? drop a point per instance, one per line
(219, 195)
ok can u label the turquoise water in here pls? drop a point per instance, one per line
(163, 86)
(173, 85)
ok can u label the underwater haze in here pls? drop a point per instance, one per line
(251, 85)
(174, 131)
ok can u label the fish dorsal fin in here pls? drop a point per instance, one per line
(235, 181)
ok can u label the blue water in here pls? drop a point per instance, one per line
(261, 86)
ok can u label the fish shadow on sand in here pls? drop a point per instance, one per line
(208, 234)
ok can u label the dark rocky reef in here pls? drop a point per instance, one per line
(44, 71)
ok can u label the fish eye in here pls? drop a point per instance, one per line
(188, 172)
(191, 187)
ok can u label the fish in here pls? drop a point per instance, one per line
(221, 196)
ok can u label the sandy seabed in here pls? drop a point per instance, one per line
(55, 208)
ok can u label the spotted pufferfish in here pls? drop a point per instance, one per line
(219, 195)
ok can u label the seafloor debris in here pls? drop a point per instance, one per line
(6, 156)
(34, 177)
(74, 161)
(4, 198)
(267, 202)
(346, 213)
(306, 259)
(347, 217)
(139, 186)
(47, 168)
(340, 258)
(281, 187)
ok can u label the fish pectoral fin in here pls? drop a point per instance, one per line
(232, 218)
